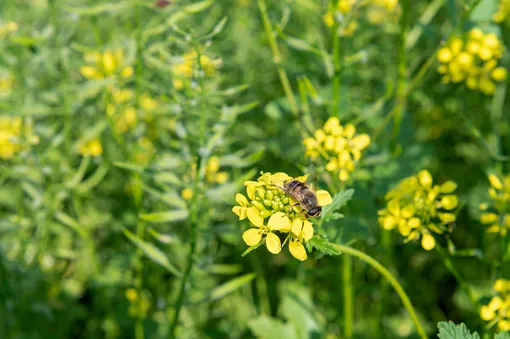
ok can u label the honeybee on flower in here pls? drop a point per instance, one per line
(274, 213)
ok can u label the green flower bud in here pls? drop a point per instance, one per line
(258, 205)
(261, 193)
(267, 202)
(275, 205)
(269, 195)
(265, 213)
(285, 200)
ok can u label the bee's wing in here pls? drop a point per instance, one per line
(311, 181)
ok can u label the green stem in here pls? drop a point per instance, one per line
(388, 251)
(348, 296)
(335, 95)
(261, 284)
(463, 284)
(391, 279)
(400, 99)
(277, 58)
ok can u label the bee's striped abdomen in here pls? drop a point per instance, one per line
(294, 187)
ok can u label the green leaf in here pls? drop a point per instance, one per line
(230, 286)
(98, 9)
(167, 216)
(298, 309)
(483, 11)
(269, 328)
(502, 335)
(152, 252)
(198, 7)
(448, 330)
(170, 197)
(225, 269)
(340, 199)
(129, 166)
(322, 245)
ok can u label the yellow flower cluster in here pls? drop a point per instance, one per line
(123, 116)
(272, 213)
(184, 70)
(139, 303)
(6, 83)
(105, 64)
(474, 61)
(212, 173)
(497, 213)
(498, 309)
(92, 148)
(503, 12)
(339, 145)
(383, 11)
(8, 27)
(417, 208)
(15, 135)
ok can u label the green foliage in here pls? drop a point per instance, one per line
(448, 330)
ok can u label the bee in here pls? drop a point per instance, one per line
(304, 193)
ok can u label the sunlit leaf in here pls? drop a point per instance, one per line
(167, 216)
(230, 286)
(448, 330)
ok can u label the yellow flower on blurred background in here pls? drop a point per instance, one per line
(417, 208)
(383, 11)
(212, 173)
(502, 15)
(273, 213)
(473, 60)
(496, 213)
(189, 66)
(8, 27)
(339, 145)
(106, 64)
(498, 309)
(15, 135)
(92, 148)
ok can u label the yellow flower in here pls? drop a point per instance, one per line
(496, 215)
(418, 207)
(473, 59)
(189, 67)
(274, 214)
(187, 194)
(92, 148)
(339, 145)
(107, 64)
(328, 19)
(6, 84)
(212, 173)
(7, 28)
(498, 308)
(503, 13)
(15, 135)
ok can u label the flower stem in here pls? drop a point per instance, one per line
(277, 58)
(463, 284)
(335, 95)
(391, 279)
(348, 296)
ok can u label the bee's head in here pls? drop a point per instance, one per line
(315, 212)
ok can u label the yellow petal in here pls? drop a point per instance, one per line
(307, 230)
(343, 175)
(279, 222)
(90, 72)
(361, 141)
(448, 187)
(428, 242)
(404, 228)
(297, 250)
(250, 190)
(408, 211)
(252, 236)
(488, 218)
(297, 226)
(126, 72)
(494, 229)
(504, 325)
(414, 222)
(495, 304)
(349, 131)
(425, 178)
(324, 198)
(255, 218)
(389, 222)
(332, 124)
(240, 211)
(500, 285)
(495, 182)
(108, 62)
(241, 199)
(394, 207)
(447, 217)
(449, 202)
(273, 243)
(486, 313)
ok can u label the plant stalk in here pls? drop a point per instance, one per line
(348, 296)
(390, 278)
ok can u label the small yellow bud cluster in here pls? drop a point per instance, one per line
(6, 84)
(212, 173)
(498, 309)
(339, 145)
(122, 113)
(474, 61)
(417, 208)
(496, 212)
(184, 70)
(383, 11)
(139, 303)
(15, 135)
(343, 7)
(503, 12)
(105, 64)
(92, 148)
(273, 214)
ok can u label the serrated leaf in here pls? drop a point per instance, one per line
(230, 286)
(152, 252)
(340, 199)
(168, 216)
(502, 335)
(269, 328)
(448, 330)
(323, 246)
